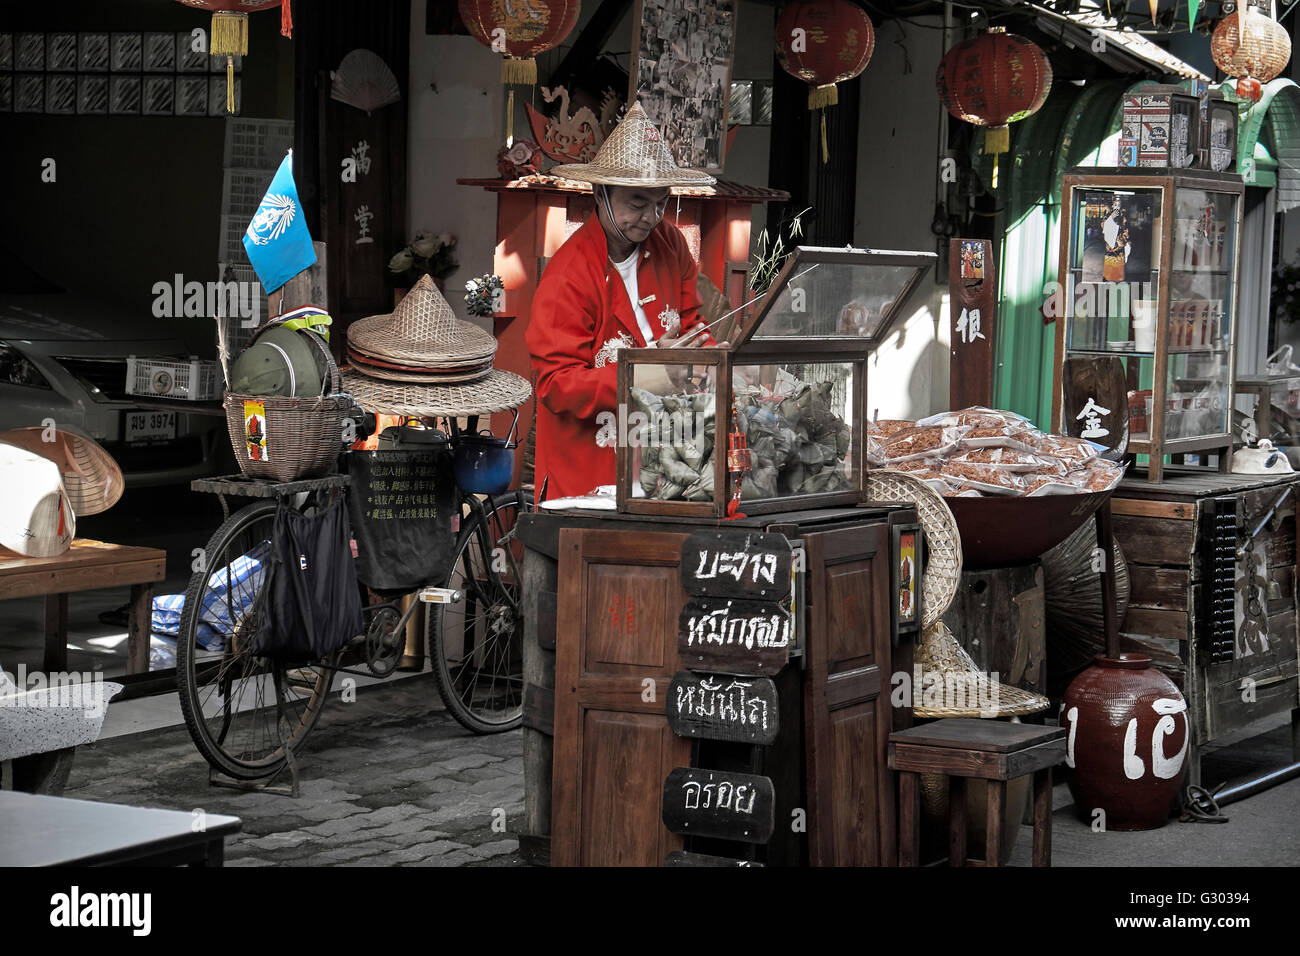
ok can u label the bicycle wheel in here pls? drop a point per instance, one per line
(232, 699)
(476, 644)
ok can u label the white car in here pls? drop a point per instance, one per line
(63, 357)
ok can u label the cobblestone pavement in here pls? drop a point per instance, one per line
(390, 780)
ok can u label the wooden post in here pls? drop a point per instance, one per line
(1043, 817)
(139, 625)
(909, 819)
(538, 577)
(956, 821)
(972, 322)
(306, 288)
(1106, 541)
(56, 632)
(996, 800)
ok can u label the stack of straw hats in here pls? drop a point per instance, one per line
(421, 360)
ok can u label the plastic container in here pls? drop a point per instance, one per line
(198, 380)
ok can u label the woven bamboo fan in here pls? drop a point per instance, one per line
(942, 539)
(1075, 631)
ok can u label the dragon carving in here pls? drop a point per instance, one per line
(573, 137)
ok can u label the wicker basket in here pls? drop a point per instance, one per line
(304, 436)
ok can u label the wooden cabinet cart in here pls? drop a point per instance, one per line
(1212, 566)
(614, 583)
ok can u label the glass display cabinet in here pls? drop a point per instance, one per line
(787, 397)
(1148, 273)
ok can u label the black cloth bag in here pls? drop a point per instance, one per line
(404, 516)
(312, 606)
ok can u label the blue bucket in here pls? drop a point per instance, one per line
(484, 464)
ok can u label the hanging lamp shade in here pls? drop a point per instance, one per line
(993, 80)
(824, 42)
(229, 35)
(1252, 48)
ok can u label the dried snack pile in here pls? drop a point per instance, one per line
(983, 451)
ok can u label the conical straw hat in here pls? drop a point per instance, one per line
(421, 329)
(91, 478)
(940, 654)
(634, 155)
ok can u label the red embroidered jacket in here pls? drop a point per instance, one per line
(581, 316)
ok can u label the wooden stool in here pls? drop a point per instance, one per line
(989, 749)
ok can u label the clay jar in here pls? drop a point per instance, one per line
(1127, 743)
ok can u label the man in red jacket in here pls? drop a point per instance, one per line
(626, 279)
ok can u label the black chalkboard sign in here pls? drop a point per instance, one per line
(682, 858)
(401, 506)
(718, 707)
(720, 804)
(736, 564)
(733, 636)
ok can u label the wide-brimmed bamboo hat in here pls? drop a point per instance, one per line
(634, 154)
(92, 480)
(422, 333)
(960, 689)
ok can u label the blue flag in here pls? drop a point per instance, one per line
(277, 241)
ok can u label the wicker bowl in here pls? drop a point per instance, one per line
(943, 561)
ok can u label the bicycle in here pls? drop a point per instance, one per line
(249, 714)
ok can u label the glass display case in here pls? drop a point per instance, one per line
(1148, 273)
(778, 414)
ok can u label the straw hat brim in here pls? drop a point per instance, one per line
(940, 653)
(627, 176)
(498, 391)
(92, 479)
(423, 377)
(411, 365)
(467, 343)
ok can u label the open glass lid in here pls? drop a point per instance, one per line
(842, 295)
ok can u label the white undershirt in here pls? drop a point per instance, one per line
(627, 269)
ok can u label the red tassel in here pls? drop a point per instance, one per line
(286, 20)
(733, 509)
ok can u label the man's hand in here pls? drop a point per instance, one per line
(672, 338)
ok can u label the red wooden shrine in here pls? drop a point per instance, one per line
(536, 214)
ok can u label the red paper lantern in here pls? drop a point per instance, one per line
(993, 80)
(824, 42)
(520, 29)
(1252, 47)
(229, 34)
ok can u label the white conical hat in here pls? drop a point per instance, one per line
(634, 155)
(37, 518)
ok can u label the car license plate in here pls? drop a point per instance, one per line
(148, 427)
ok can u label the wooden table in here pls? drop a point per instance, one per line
(56, 831)
(87, 566)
